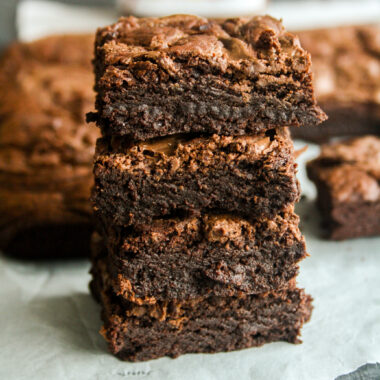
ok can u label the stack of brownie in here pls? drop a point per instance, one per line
(198, 245)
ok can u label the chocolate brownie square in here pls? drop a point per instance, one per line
(200, 325)
(249, 176)
(186, 74)
(46, 147)
(347, 176)
(213, 254)
(346, 64)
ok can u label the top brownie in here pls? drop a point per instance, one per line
(185, 74)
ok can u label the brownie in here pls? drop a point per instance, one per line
(179, 175)
(347, 177)
(46, 147)
(213, 254)
(185, 74)
(346, 64)
(65, 49)
(201, 325)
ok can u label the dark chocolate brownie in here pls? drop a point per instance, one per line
(46, 147)
(214, 254)
(212, 324)
(185, 74)
(245, 175)
(347, 176)
(346, 64)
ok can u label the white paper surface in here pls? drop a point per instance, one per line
(49, 322)
(38, 18)
(310, 14)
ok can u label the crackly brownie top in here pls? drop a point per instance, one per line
(45, 92)
(182, 152)
(351, 169)
(214, 229)
(346, 62)
(252, 45)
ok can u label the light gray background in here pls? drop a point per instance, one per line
(8, 31)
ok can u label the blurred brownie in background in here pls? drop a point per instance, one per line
(46, 148)
(347, 176)
(346, 66)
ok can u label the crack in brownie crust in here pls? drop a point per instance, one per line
(249, 176)
(184, 74)
(347, 176)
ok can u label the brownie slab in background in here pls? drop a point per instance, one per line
(185, 74)
(208, 325)
(346, 67)
(347, 177)
(246, 175)
(46, 147)
(196, 256)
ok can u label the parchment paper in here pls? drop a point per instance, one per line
(49, 322)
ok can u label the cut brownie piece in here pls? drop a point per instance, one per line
(213, 254)
(212, 324)
(347, 176)
(247, 175)
(46, 147)
(184, 74)
(346, 64)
